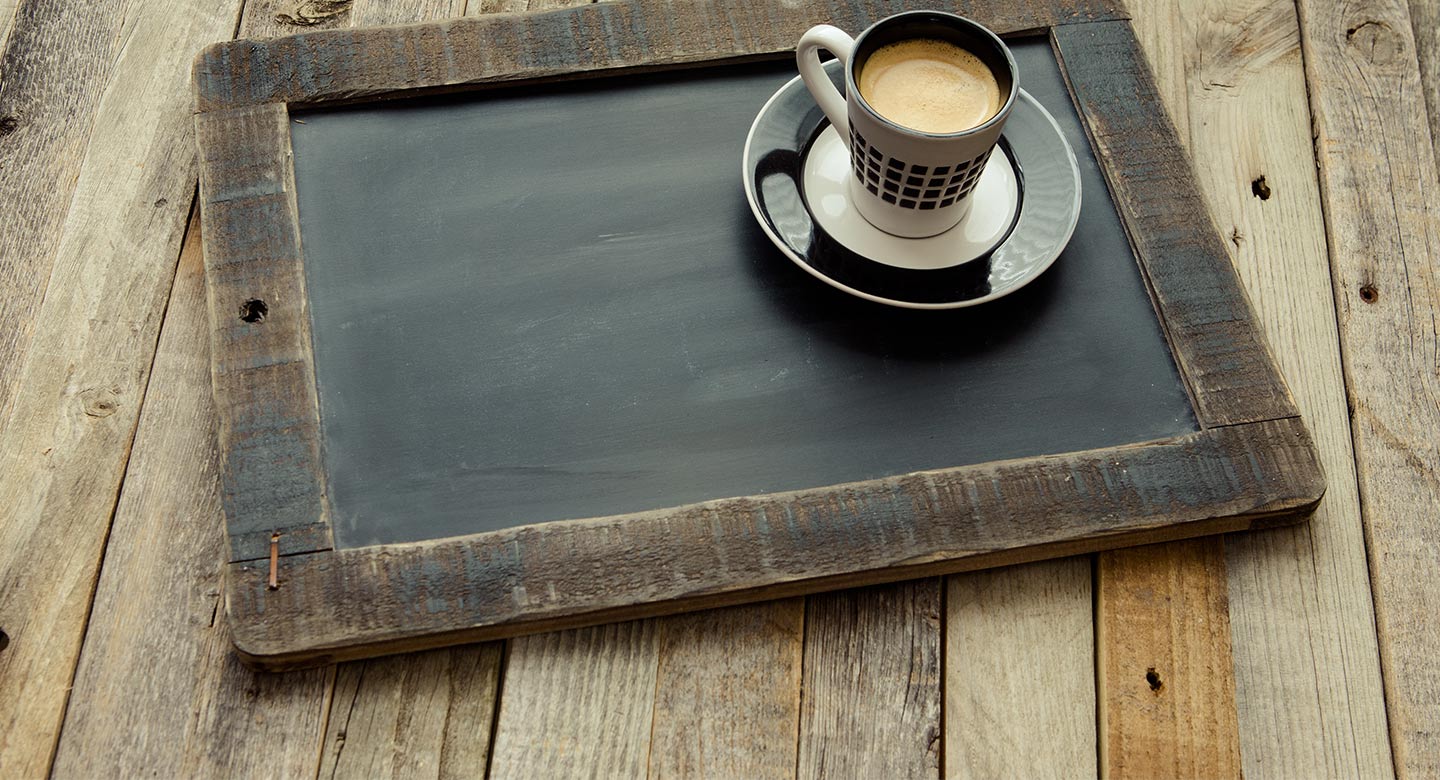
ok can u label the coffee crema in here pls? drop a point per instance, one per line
(929, 85)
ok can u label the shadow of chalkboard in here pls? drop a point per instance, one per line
(535, 304)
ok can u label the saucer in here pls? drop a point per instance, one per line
(1027, 204)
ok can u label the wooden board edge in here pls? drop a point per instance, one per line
(262, 364)
(346, 64)
(1212, 330)
(344, 604)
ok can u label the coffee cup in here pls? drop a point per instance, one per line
(926, 96)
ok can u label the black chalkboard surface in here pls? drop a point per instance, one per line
(498, 347)
(540, 304)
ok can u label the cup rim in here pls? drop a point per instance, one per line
(852, 88)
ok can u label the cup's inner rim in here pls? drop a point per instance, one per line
(965, 33)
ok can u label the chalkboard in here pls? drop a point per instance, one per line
(539, 304)
(498, 347)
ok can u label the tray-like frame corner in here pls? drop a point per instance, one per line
(1251, 464)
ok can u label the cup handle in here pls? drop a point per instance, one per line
(807, 59)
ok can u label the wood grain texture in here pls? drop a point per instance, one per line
(1378, 176)
(872, 689)
(1231, 72)
(364, 601)
(158, 691)
(264, 373)
(331, 65)
(578, 703)
(418, 715)
(7, 20)
(727, 692)
(66, 429)
(48, 107)
(1217, 345)
(1167, 695)
(1425, 22)
(1020, 672)
(278, 18)
(368, 13)
(479, 7)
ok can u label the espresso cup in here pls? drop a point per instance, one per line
(905, 180)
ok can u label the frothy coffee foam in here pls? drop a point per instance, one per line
(929, 85)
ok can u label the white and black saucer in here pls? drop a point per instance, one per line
(1026, 206)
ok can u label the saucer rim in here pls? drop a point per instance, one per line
(784, 247)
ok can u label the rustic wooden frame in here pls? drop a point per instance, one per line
(1251, 464)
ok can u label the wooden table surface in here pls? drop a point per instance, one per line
(1299, 652)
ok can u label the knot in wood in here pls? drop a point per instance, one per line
(1376, 41)
(8, 125)
(99, 401)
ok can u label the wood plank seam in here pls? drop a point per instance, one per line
(939, 742)
(1102, 746)
(330, 716)
(800, 710)
(506, 647)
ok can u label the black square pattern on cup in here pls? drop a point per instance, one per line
(924, 187)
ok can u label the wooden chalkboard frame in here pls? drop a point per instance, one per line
(295, 600)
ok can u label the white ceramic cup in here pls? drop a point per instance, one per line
(907, 182)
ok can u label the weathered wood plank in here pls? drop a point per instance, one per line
(1425, 22)
(7, 20)
(158, 691)
(72, 397)
(727, 692)
(1167, 695)
(1218, 348)
(355, 602)
(369, 13)
(419, 715)
(1020, 672)
(578, 703)
(872, 683)
(1232, 75)
(589, 38)
(47, 110)
(277, 18)
(1378, 176)
(478, 7)
(264, 372)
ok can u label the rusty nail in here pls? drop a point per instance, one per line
(274, 561)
